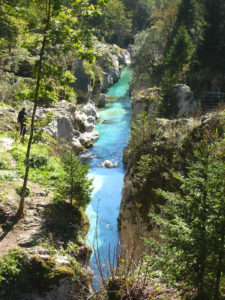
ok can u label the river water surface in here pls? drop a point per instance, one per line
(113, 128)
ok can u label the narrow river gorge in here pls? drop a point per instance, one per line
(113, 128)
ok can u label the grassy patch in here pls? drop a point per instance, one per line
(4, 161)
(6, 176)
(3, 133)
(44, 169)
(2, 104)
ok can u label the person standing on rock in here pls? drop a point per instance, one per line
(22, 117)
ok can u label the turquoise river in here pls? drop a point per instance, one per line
(113, 128)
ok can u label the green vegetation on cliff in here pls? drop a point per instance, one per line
(192, 225)
(174, 193)
(22, 274)
(182, 44)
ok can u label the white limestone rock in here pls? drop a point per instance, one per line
(186, 104)
(109, 164)
(90, 109)
(70, 125)
(124, 58)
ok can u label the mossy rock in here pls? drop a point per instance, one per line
(21, 273)
(88, 144)
(64, 271)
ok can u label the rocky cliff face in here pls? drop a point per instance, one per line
(94, 80)
(166, 146)
(149, 99)
(187, 105)
(75, 124)
(71, 124)
(144, 100)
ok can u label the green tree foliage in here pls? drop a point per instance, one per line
(8, 28)
(150, 44)
(190, 16)
(142, 12)
(177, 65)
(64, 25)
(192, 227)
(122, 19)
(165, 17)
(211, 50)
(179, 57)
(115, 24)
(148, 53)
(182, 42)
(169, 105)
(204, 22)
(74, 183)
(141, 130)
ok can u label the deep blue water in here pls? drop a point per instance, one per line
(113, 128)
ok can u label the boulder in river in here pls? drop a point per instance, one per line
(109, 164)
(102, 100)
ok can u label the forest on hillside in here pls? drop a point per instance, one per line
(173, 41)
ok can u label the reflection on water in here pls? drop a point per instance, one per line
(113, 128)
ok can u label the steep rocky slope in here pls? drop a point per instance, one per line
(93, 80)
(162, 147)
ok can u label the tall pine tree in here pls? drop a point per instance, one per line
(177, 64)
(193, 227)
(211, 51)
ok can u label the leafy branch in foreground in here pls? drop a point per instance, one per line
(193, 227)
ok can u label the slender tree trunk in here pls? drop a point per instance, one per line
(71, 174)
(220, 265)
(20, 211)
